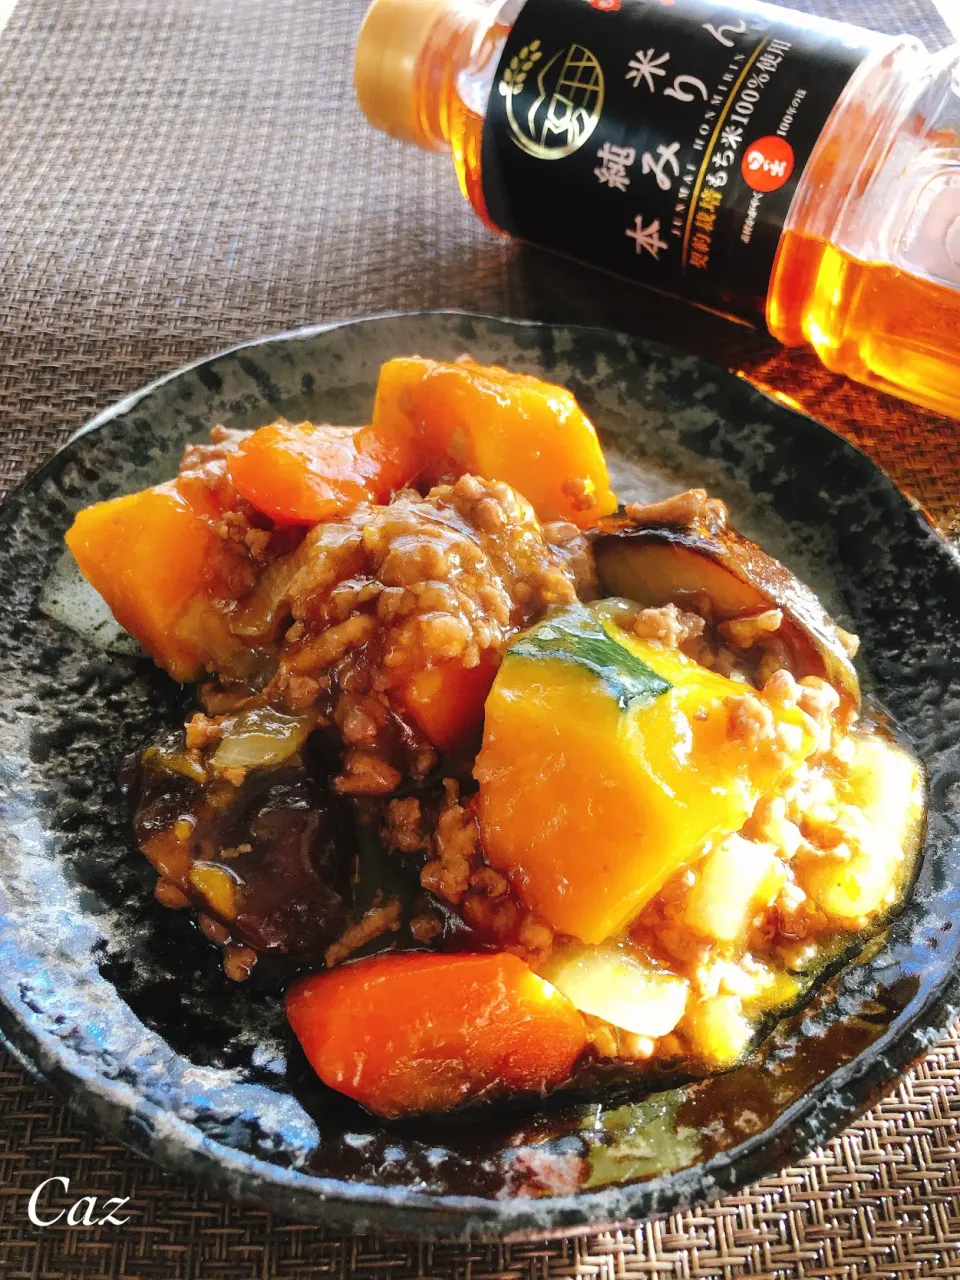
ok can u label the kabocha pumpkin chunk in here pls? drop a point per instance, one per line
(154, 557)
(608, 763)
(301, 473)
(411, 1033)
(506, 426)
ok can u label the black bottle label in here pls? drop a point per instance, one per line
(662, 140)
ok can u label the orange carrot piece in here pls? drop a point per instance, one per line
(300, 473)
(445, 702)
(417, 1032)
(505, 426)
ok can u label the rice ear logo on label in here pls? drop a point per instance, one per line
(553, 103)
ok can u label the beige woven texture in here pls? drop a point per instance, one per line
(176, 175)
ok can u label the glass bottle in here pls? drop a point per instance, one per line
(867, 268)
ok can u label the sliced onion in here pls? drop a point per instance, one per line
(260, 737)
(258, 615)
(174, 762)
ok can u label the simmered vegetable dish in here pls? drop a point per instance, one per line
(625, 802)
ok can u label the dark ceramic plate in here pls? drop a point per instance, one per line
(122, 1007)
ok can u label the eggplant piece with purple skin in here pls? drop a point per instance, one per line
(683, 551)
(269, 859)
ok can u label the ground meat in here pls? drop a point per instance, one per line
(490, 882)
(508, 925)
(257, 542)
(426, 926)
(404, 826)
(819, 700)
(446, 577)
(575, 550)
(668, 625)
(581, 492)
(455, 872)
(781, 690)
(304, 691)
(360, 720)
(749, 720)
(238, 961)
(534, 935)
(775, 656)
(679, 509)
(769, 824)
(201, 731)
(850, 642)
(744, 632)
(366, 773)
(207, 464)
(380, 919)
(456, 849)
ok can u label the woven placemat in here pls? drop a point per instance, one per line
(176, 175)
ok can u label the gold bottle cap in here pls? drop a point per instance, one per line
(392, 37)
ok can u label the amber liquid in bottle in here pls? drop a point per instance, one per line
(868, 268)
(874, 322)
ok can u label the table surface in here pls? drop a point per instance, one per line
(177, 175)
